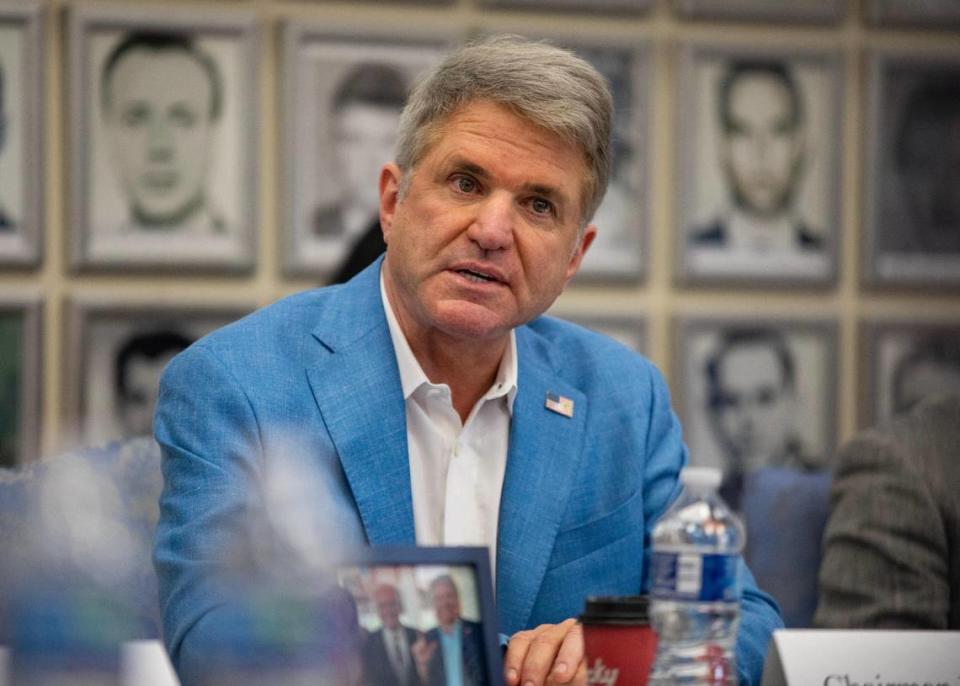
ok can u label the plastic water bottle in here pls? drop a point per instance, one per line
(696, 586)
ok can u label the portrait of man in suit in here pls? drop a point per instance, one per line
(386, 654)
(752, 405)
(137, 367)
(762, 154)
(929, 367)
(161, 100)
(363, 128)
(926, 167)
(452, 653)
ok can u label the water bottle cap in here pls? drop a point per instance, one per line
(701, 477)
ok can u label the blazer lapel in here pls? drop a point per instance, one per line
(357, 388)
(543, 458)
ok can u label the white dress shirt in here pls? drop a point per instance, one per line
(456, 468)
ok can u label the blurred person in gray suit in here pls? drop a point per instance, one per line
(890, 553)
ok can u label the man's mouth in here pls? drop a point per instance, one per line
(477, 277)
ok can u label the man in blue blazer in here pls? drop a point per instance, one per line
(427, 400)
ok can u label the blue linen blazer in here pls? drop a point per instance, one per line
(315, 376)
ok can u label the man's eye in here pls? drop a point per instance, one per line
(135, 115)
(182, 116)
(465, 184)
(541, 206)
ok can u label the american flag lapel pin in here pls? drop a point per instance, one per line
(559, 404)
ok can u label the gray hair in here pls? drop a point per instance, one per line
(546, 85)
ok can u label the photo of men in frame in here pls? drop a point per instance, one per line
(413, 620)
(349, 97)
(168, 156)
(912, 362)
(124, 355)
(757, 192)
(757, 397)
(916, 193)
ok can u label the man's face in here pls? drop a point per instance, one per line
(931, 177)
(485, 237)
(388, 606)
(754, 413)
(140, 395)
(159, 125)
(762, 148)
(446, 603)
(365, 136)
(923, 379)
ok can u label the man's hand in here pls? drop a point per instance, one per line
(549, 654)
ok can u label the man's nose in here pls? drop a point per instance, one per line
(492, 227)
(159, 142)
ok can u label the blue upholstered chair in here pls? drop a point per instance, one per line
(785, 511)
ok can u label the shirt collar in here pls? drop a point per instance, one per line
(413, 377)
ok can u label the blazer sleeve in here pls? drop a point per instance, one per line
(666, 455)
(885, 548)
(211, 459)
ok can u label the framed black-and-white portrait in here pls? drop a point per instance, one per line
(928, 14)
(801, 11)
(21, 127)
(618, 6)
(410, 601)
(623, 218)
(756, 394)
(629, 330)
(758, 176)
(116, 354)
(904, 361)
(344, 89)
(912, 181)
(164, 138)
(20, 381)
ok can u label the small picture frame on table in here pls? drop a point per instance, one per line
(748, 215)
(406, 597)
(20, 380)
(164, 130)
(22, 60)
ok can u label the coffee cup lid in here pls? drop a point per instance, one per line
(632, 609)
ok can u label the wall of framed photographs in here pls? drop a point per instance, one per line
(784, 171)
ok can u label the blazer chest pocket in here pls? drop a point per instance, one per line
(581, 540)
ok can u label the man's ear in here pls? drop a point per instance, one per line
(390, 177)
(583, 245)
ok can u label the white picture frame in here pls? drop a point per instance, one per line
(163, 178)
(743, 219)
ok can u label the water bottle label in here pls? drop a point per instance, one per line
(694, 576)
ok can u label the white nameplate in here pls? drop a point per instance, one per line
(828, 657)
